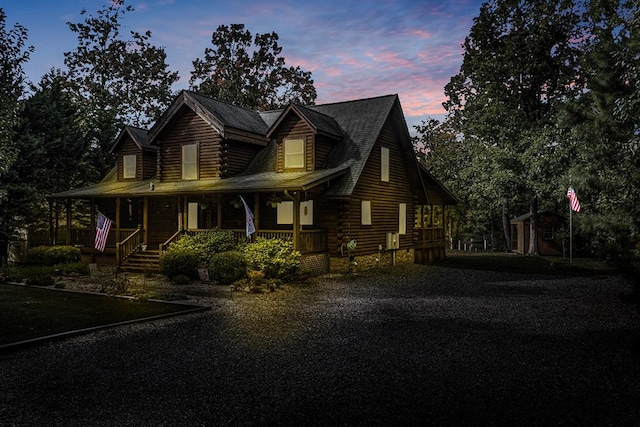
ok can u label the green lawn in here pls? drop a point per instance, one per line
(31, 312)
(525, 264)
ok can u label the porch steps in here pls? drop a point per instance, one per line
(140, 262)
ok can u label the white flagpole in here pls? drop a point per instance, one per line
(570, 229)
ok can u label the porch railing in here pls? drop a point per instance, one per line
(174, 238)
(430, 234)
(128, 246)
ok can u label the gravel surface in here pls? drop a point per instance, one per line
(427, 346)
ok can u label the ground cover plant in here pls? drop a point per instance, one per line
(28, 312)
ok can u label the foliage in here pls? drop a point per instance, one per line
(117, 80)
(13, 55)
(519, 66)
(249, 72)
(227, 267)
(275, 258)
(119, 285)
(180, 261)
(49, 139)
(51, 255)
(190, 252)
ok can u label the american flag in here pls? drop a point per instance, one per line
(102, 231)
(573, 200)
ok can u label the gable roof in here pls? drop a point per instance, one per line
(139, 136)
(320, 123)
(355, 125)
(228, 120)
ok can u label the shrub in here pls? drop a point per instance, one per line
(51, 255)
(190, 252)
(37, 275)
(275, 258)
(73, 269)
(180, 261)
(227, 267)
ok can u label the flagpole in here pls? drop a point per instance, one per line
(570, 229)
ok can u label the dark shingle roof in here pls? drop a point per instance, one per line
(139, 136)
(230, 115)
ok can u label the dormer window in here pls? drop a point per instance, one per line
(294, 154)
(190, 161)
(129, 166)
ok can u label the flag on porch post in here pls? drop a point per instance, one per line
(573, 200)
(102, 231)
(250, 228)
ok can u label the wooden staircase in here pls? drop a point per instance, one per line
(142, 262)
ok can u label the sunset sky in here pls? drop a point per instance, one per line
(354, 49)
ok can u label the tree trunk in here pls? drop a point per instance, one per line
(533, 227)
(506, 225)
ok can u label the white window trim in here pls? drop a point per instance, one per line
(190, 169)
(365, 212)
(290, 154)
(129, 166)
(384, 164)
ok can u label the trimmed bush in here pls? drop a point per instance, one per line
(190, 252)
(51, 255)
(227, 267)
(273, 257)
(38, 275)
(180, 261)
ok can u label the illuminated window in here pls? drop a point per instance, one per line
(285, 213)
(190, 161)
(192, 216)
(306, 212)
(384, 164)
(293, 153)
(402, 219)
(365, 212)
(129, 166)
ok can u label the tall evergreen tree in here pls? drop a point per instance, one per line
(604, 127)
(13, 54)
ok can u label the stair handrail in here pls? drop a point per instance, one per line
(128, 246)
(174, 238)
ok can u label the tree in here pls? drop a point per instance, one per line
(48, 141)
(117, 80)
(249, 72)
(519, 65)
(603, 123)
(13, 54)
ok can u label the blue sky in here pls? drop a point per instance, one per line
(354, 49)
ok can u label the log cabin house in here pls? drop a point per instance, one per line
(319, 175)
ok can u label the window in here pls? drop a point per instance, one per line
(384, 164)
(306, 212)
(365, 212)
(293, 153)
(190, 161)
(547, 232)
(192, 216)
(402, 219)
(129, 166)
(285, 213)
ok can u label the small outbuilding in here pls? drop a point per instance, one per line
(551, 228)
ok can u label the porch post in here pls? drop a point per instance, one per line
(219, 211)
(296, 221)
(118, 200)
(52, 240)
(93, 227)
(68, 221)
(256, 211)
(145, 219)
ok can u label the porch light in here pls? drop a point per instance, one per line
(152, 186)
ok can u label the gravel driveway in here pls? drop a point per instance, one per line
(429, 346)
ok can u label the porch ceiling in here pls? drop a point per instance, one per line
(260, 182)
